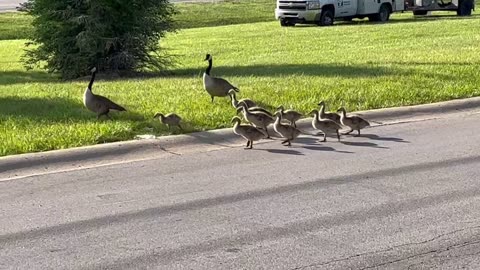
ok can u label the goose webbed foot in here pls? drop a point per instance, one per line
(358, 135)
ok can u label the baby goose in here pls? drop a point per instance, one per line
(353, 122)
(286, 131)
(215, 87)
(291, 115)
(96, 103)
(233, 97)
(329, 115)
(170, 119)
(325, 125)
(255, 108)
(250, 133)
(258, 119)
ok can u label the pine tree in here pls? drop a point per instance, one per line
(72, 36)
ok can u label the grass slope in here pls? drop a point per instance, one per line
(360, 66)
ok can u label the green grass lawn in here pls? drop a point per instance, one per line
(360, 66)
(16, 25)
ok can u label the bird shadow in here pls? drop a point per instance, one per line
(364, 144)
(325, 148)
(379, 138)
(282, 151)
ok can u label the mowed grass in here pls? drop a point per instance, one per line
(359, 66)
(17, 25)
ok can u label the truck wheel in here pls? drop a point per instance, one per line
(285, 23)
(326, 18)
(382, 16)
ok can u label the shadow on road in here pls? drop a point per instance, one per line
(379, 138)
(364, 144)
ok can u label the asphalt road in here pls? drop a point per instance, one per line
(405, 196)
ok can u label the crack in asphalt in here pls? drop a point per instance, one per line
(399, 246)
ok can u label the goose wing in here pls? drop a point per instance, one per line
(108, 103)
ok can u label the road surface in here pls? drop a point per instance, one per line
(405, 196)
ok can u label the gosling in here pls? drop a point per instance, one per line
(286, 131)
(353, 122)
(325, 125)
(328, 115)
(290, 115)
(170, 119)
(250, 133)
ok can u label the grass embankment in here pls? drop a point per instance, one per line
(359, 66)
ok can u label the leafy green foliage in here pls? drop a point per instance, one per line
(122, 35)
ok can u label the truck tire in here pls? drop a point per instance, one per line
(326, 18)
(382, 16)
(285, 23)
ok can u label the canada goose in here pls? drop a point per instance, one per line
(216, 87)
(353, 122)
(286, 131)
(250, 133)
(254, 108)
(291, 115)
(170, 119)
(328, 115)
(247, 101)
(258, 119)
(325, 125)
(96, 103)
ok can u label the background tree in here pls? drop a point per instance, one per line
(72, 36)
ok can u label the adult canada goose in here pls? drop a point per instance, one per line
(286, 131)
(325, 125)
(328, 115)
(170, 119)
(258, 119)
(291, 115)
(216, 87)
(235, 101)
(353, 122)
(255, 108)
(250, 133)
(96, 103)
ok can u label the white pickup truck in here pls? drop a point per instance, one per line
(325, 12)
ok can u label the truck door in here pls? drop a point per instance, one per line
(346, 8)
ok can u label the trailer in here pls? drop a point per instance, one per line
(325, 12)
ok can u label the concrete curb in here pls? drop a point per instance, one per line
(74, 158)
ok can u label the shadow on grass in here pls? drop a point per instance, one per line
(18, 77)
(55, 110)
(325, 70)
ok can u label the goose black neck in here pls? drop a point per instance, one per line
(91, 80)
(209, 66)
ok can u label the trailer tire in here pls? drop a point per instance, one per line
(326, 17)
(465, 8)
(383, 14)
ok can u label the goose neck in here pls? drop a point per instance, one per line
(209, 68)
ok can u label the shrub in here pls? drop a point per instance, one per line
(71, 36)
